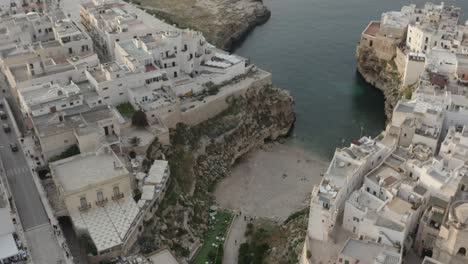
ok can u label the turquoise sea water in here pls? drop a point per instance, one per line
(309, 47)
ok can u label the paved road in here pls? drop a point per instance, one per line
(25, 194)
(235, 238)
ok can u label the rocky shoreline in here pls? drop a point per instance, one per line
(381, 74)
(224, 23)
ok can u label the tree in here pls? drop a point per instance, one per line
(134, 141)
(139, 119)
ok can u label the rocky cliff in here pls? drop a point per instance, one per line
(203, 154)
(223, 22)
(381, 74)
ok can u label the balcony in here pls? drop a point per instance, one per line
(117, 196)
(84, 207)
(101, 202)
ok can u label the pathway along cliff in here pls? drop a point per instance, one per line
(223, 23)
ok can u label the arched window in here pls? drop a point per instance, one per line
(100, 196)
(462, 251)
(116, 190)
(83, 202)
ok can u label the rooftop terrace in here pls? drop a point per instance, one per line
(84, 170)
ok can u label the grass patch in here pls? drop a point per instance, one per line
(126, 109)
(71, 151)
(218, 228)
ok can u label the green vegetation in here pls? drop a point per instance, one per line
(71, 151)
(212, 249)
(408, 93)
(297, 214)
(126, 109)
(254, 250)
(139, 119)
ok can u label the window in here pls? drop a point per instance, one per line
(39, 31)
(105, 88)
(64, 105)
(173, 64)
(100, 196)
(462, 251)
(340, 260)
(83, 202)
(71, 103)
(107, 97)
(121, 93)
(70, 50)
(116, 190)
(175, 74)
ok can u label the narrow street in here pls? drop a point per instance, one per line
(39, 233)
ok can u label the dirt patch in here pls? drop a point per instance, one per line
(272, 182)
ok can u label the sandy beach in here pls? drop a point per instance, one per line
(271, 182)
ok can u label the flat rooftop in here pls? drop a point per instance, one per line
(372, 29)
(78, 117)
(157, 172)
(362, 200)
(367, 252)
(400, 206)
(83, 170)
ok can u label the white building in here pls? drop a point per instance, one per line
(344, 175)
(10, 7)
(113, 21)
(49, 98)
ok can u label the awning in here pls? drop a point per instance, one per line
(7, 246)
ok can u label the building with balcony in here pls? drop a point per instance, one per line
(344, 175)
(96, 190)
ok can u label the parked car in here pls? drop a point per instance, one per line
(6, 128)
(3, 115)
(14, 147)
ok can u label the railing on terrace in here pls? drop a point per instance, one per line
(84, 207)
(101, 202)
(117, 196)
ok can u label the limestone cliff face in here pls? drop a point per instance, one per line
(381, 74)
(203, 154)
(223, 23)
